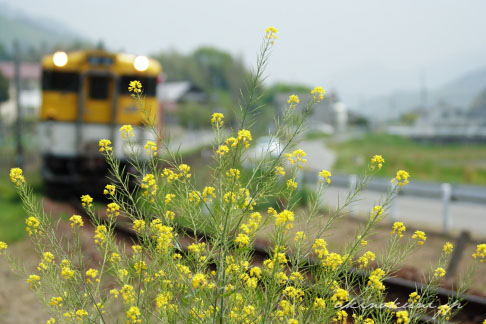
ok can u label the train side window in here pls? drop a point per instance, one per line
(98, 88)
(149, 84)
(60, 81)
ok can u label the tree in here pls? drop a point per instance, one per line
(3, 88)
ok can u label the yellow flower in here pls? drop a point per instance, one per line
(115, 257)
(91, 273)
(296, 157)
(296, 277)
(333, 261)
(398, 228)
(242, 240)
(271, 33)
(149, 184)
(16, 176)
(293, 101)
(402, 317)
(401, 178)
(318, 93)
(291, 185)
(171, 175)
(138, 225)
(320, 248)
(376, 278)
(185, 170)
(133, 315)
(217, 120)
(104, 145)
(233, 173)
(340, 297)
(66, 271)
(169, 197)
(299, 236)
(448, 247)
(140, 266)
(135, 86)
(151, 148)
(420, 236)
(222, 149)
(109, 190)
(365, 259)
(377, 161)
(244, 136)
(326, 176)
(48, 257)
(33, 280)
(32, 225)
(126, 131)
(100, 234)
(3, 246)
(76, 220)
(207, 193)
(115, 293)
(86, 200)
(391, 305)
(113, 209)
(480, 252)
(413, 297)
(170, 214)
(280, 170)
(196, 248)
(439, 272)
(341, 316)
(51, 321)
(256, 272)
(444, 310)
(319, 303)
(377, 211)
(199, 280)
(80, 313)
(285, 217)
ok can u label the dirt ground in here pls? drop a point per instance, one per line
(18, 303)
(416, 267)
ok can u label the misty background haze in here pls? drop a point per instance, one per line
(371, 52)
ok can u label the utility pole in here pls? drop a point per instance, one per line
(19, 158)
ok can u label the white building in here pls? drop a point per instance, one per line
(30, 95)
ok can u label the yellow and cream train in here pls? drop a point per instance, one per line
(85, 97)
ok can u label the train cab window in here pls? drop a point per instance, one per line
(98, 87)
(149, 84)
(60, 81)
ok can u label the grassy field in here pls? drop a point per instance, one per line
(454, 163)
(12, 217)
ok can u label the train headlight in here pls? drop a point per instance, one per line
(60, 59)
(141, 63)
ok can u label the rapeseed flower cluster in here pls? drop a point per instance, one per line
(401, 178)
(297, 157)
(135, 86)
(16, 176)
(217, 120)
(104, 145)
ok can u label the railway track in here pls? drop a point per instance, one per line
(473, 308)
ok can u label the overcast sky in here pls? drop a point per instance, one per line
(364, 47)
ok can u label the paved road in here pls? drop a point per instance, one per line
(415, 211)
(319, 157)
(418, 212)
(185, 140)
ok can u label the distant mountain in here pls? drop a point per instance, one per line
(33, 31)
(459, 92)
